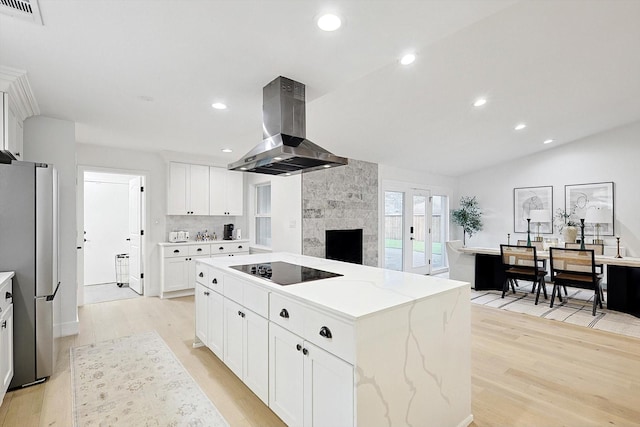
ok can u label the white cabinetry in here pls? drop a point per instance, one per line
(209, 318)
(308, 386)
(12, 133)
(178, 263)
(188, 189)
(6, 333)
(225, 192)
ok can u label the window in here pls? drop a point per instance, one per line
(263, 215)
(439, 226)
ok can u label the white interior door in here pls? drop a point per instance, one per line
(105, 229)
(135, 234)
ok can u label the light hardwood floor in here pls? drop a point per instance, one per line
(526, 371)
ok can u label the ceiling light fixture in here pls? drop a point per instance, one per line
(277, 158)
(227, 150)
(548, 141)
(219, 106)
(329, 22)
(327, 166)
(479, 102)
(520, 126)
(243, 169)
(408, 59)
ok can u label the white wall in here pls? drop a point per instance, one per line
(286, 210)
(52, 141)
(609, 156)
(153, 167)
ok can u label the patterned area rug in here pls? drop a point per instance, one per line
(136, 381)
(576, 309)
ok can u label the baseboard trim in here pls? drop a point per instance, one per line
(66, 329)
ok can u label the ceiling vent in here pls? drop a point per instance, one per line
(23, 9)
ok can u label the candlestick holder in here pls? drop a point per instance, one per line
(618, 244)
(582, 233)
(508, 238)
(528, 231)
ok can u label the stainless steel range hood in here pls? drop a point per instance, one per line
(285, 149)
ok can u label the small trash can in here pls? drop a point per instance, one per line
(122, 270)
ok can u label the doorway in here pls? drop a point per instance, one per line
(407, 231)
(110, 229)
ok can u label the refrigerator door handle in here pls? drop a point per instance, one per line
(50, 297)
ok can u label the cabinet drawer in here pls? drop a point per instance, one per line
(317, 327)
(214, 280)
(6, 288)
(247, 295)
(256, 299)
(197, 250)
(229, 247)
(286, 313)
(202, 274)
(175, 251)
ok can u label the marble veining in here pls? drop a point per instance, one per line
(364, 380)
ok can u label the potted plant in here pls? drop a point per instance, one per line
(468, 217)
(567, 224)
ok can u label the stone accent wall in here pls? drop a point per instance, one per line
(341, 198)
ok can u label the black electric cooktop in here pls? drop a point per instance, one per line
(284, 273)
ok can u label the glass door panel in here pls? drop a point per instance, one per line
(393, 230)
(417, 258)
(438, 232)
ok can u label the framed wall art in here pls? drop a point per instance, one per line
(526, 200)
(594, 203)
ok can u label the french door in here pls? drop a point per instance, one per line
(407, 231)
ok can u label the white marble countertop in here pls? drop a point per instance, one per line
(201, 242)
(360, 292)
(6, 275)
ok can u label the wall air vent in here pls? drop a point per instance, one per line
(23, 9)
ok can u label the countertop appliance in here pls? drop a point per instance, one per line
(228, 232)
(178, 236)
(284, 149)
(284, 273)
(29, 246)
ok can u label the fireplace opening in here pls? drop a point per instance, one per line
(344, 245)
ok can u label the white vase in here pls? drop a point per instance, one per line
(569, 234)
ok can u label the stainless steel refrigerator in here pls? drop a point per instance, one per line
(29, 246)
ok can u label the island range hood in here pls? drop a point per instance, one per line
(285, 150)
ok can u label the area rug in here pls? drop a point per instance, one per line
(576, 309)
(136, 381)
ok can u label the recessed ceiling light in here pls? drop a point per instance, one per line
(219, 106)
(243, 169)
(547, 141)
(329, 22)
(408, 59)
(479, 102)
(520, 126)
(287, 174)
(227, 150)
(327, 166)
(277, 158)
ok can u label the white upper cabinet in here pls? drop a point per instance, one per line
(17, 103)
(226, 192)
(188, 189)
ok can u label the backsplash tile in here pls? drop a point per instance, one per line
(198, 223)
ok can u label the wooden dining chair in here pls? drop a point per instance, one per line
(575, 268)
(521, 263)
(598, 249)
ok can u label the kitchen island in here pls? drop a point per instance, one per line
(371, 347)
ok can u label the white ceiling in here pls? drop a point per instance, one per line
(568, 69)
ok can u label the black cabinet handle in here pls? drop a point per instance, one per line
(325, 332)
(221, 248)
(8, 295)
(4, 323)
(214, 281)
(284, 313)
(239, 313)
(206, 293)
(201, 274)
(298, 347)
(305, 351)
(199, 249)
(176, 251)
(240, 247)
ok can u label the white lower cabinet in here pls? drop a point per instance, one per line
(307, 385)
(6, 336)
(246, 347)
(209, 319)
